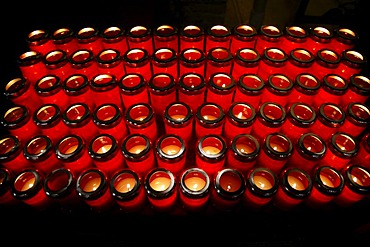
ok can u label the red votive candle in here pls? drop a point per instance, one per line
(242, 153)
(363, 156)
(138, 152)
(278, 88)
(57, 63)
(344, 39)
(209, 119)
(294, 37)
(161, 189)
(192, 60)
(221, 89)
(40, 40)
(273, 61)
(89, 38)
(219, 60)
(194, 189)
(246, 61)
(357, 119)
(137, 60)
(268, 36)
(11, 156)
(105, 90)
(133, 90)
(110, 62)
(115, 37)
(319, 38)
(300, 61)
(164, 60)
(65, 39)
(77, 87)
(84, 62)
(6, 181)
(166, 36)
(191, 36)
(191, 89)
(128, 191)
(326, 62)
(32, 66)
(244, 36)
(305, 87)
(352, 62)
(217, 36)
(140, 37)
(358, 90)
(249, 89)
(332, 90)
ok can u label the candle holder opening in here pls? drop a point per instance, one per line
(15, 115)
(136, 146)
(160, 183)
(297, 183)
(135, 55)
(270, 31)
(58, 183)
(106, 115)
(242, 112)
(26, 184)
(81, 58)
(48, 84)
(229, 183)
(103, 82)
(75, 83)
(76, 113)
(303, 113)
(91, 184)
(195, 182)
(170, 147)
(192, 55)
(329, 180)
(279, 145)
(102, 146)
(222, 82)
(69, 146)
(212, 147)
(245, 30)
(139, 114)
(328, 56)
(219, 31)
(125, 185)
(36, 147)
(209, 113)
(332, 113)
(359, 112)
(312, 145)
(358, 179)
(8, 146)
(192, 82)
(219, 54)
(246, 146)
(344, 144)
(47, 114)
(248, 55)
(263, 181)
(272, 113)
(280, 83)
(251, 83)
(275, 55)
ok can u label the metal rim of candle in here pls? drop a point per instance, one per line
(35, 141)
(321, 34)
(353, 58)
(302, 86)
(192, 62)
(100, 138)
(301, 175)
(277, 154)
(135, 156)
(347, 139)
(55, 59)
(76, 84)
(156, 172)
(150, 115)
(81, 58)
(327, 119)
(52, 85)
(355, 172)
(21, 114)
(176, 140)
(84, 177)
(206, 122)
(191, 88)
(158, 87)
(47, 115)
(295, 33)
(118, 176)
(331, 84)
(215, 59)
(270, 32)
(24, 176)
(10, 146)
(222, 31)
(269, 175)
(6, 180)
(132, 88)
(271, 121)
(221, 142)
(302, 62)
(136, 60)
(356, 112)
(229, 195)
(101, 112)
(29, 58)
(232, 113)
(346, 35)
(247, 62)
(38, 37)
(185, 33)
(244, 32)
(108, 58)
(16, 87)
(198, 173)
(360, 84)
(103, 82)
(274, 87)
(251, 90)
(309, 152)
(335, 177)
(137, 33)
(79, 119)
(275, 57)
(113, 34)
(322, 57)
(178, 122)
(87, 35)
(227, 83)
(65, 143)
(53, 186)
(162, 61)
(165, 31)
(62, 35)
(302, 121)
(242, 155)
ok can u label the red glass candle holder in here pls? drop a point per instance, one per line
(192, 60)
(191, 89)
(89, 38)
(319, 37)
(77, 88)
(218, 60)
(105, 90)
(242, 153)
(358, 90)
(210, 153)
(261, 187)
(84, 62)
(194, 189)
(32, 66)
(305, 87)
(137, 60)
(139, 154)
(140, 37)
(278, 89)
(65, 39)
(363, 156)
(268, 36)
(326, 62)
(221, 89)
(209, 119)
(57, 63)
(6, 195)
(357, 119)
(161, 189)
(164, 60)
(133, 88)
(191, 36)
(246, 61)
(300, 61)
(228, 190)
(110, 62)
(217, 36)
(249, 89)
(239, 120)
(11, 155)
(244, 36)
(40, 40)
(273, 61)
(344, 39)
(166, 36)
(294, 37)
(115, 37)
(351, 63)
(128, 191)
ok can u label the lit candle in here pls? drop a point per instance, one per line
(244, 148)
(195, 183)
(262, 183)
(160, 183)
(126, 185)
(295, 183)
(326, 181)
(209, 117)
(104, 149)
(28, 184)
(92, 184)
(171, 149)
(137, 149)
(178, 117)
(71, 149)
(211, 150)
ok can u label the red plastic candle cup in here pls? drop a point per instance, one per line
(191, 36)
(138, 152)
(84, 62)
(191, 89)
(341, 149)
(210, 153)
(105, 153)
(114, 37)
(50, 90)
(221, 89)
(93, 187)
(218, 60)
(194, 189)
(319, 38)
(273, 61)
(270, 118)
(72, 151)
(246, 61)
(78, 118)
(326, 62)
(300, 118)
(57, 63)
(178, 119)
(328, 183)
(192, 60)
(171, 151)
(363, 156)
(110, 62)
(164, 60)
(268, 36)
(351, 63)
(11, 155)
(344, 39)
(137, 60)
(128, 191)
(17, 120)
(6, 181)
(239, 120)
(242, 153)
(40, 40)
(140, 37)
(162, 91)
(105, 90)
(261, 187)
(109, 119)
(305, 87)
(278, 89)
(249, 89)
(166, 36)
(48, 118)
(28, 187)
(209, 119)
(294, 37)
(330, 118)
(300, 61)
(308, 151)
(65, 39)
(244, 36)
(89, 38)
(77, 87)
(161, 189)
(357, 119)
(356, 185)
(133, 88)
(228, 190)
(295, 186)
(141, 119)
(332, 90)
(32, 66)
(217, 36)
(358, 90)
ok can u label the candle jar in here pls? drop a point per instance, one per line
(31, 66)
(344, 39)
(246, 61)
(326, 62)
(133, 90)
(228, 190)
(57, 63)
(357, 119)
(84, 62)
(319, 38)
(217, 36)
(239, 120)
(273, 61)
(192, 60)
(109, 119)
(140, 37)
(243, 152)
(89, 38)
(191, 36)
(49, 89)
(300, 61)
(164, 60)
(209, 119)
(11, 156)
(210, 153)
(342, 148)
(191, 89)
(141, 119)
(261, 187)
(6, 195)
(294, 37)
(40, 40)
(105, 90)
(178, 119)
(218, 60)
(162, 91)
(115, 37)
(48, 118)
(138, 152)
(71, 150)
(351, 63)
(221, 89)
(77, 88)
(270, 118)
(194, 190)
(356, 185)
(93, 187)
(278, 89)
(358, 90)
(78, 118)
(249, 89)
(244, 36)
(300, 118)
(161, 190)
(295, 186)
(110, 62)
(363, 156)
(305, 87)
(330, 118)
(65, 39)
(171, 151)
(166, 36)
(268, 36)
(128, 191)
(137, 60)
(105, 153)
